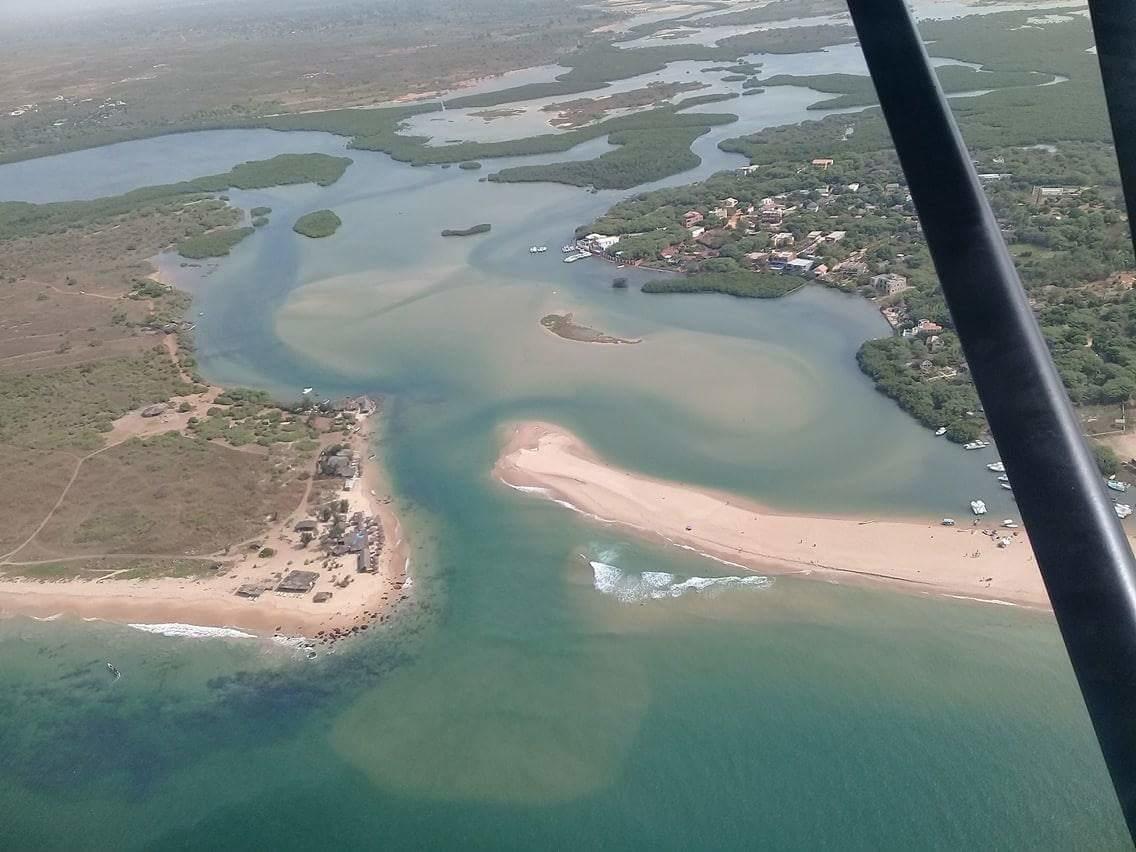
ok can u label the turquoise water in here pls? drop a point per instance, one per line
(528, 699)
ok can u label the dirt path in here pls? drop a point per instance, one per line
(72, 292)
(4, 559)
(85, 556)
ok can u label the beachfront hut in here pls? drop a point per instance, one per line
(298, 581)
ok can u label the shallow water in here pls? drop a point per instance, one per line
(527, 699)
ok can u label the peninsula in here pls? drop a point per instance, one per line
(964, 561)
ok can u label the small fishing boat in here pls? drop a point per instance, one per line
(114, 670)
(538, 249)
(941, 431)
(947, 522)
(997, 467)
(1003, 478)
(976, 445)
(1010, 524)
(1123, 510)
(308, 391)
(580, 255)
(1005, 485)
(978, 507)
(1117, 485)
(568, 249)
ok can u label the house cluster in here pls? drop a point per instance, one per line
(338, 461)
(789, 250)
(360, 537)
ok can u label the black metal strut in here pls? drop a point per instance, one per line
(1114, 26)
(1083, 554)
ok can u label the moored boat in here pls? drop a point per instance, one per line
(978, 507)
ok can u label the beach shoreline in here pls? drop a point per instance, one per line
(212, 601)
(965, 561)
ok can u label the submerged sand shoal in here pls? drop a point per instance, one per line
(922, 557)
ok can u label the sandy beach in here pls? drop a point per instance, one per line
(211, 601)
(963, 561)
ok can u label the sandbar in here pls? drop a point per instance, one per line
(965, 561)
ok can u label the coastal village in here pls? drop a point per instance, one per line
(333, 552)
(849, 223)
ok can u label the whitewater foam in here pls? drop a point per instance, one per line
(193, 631)
(656, 585)
(529, 489)
(994, 601)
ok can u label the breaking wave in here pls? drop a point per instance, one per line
(656, 585)
(193, 631)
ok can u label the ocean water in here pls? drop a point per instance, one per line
(556, 683)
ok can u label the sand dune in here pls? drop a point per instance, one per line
(920, 557)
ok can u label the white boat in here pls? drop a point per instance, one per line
(538, 249)
(947, 522)
(1123, 510)
(1005, 485)
(1003, 478)
(1009, 524)
(308, 391)
(976, 445)
(978, 507)
(997, 467)
(1117, 485)
(568, 249)
(580, 255)
(941, 431)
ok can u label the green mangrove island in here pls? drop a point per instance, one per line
(319, 224)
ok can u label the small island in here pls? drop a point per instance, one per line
(470, 165)
(483, 228)
(562, 325)
(321, 223)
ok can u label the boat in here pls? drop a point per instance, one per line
(580, 255)
(568, 249)
(997, 467)
(947, 522)
(978, 507)
(1117, 485)
(1005, 485)
(1003, 478)
(976, 445)
(308, 391)
(114, 670)
(538, 249)
(1010, 524)
(1123, 510)
(941, 431)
